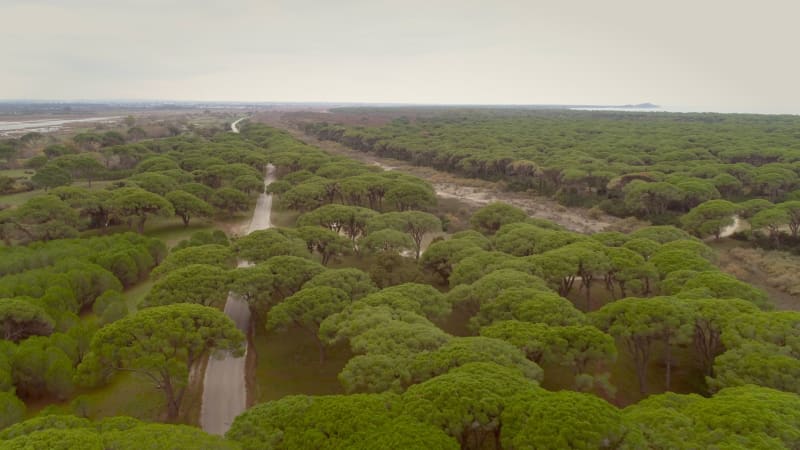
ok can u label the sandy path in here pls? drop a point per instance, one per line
(471, 192)
(234, 126)
(736, 226)
(224, 387)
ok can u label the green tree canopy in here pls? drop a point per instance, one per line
(490, 218)
(307, 309)
(202, 284)
(21, 317)
(161, 344)
(187, 206)
(354, 282)
(135, 204)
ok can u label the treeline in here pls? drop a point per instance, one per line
(187, 177)
(94, 155)
(510, 276)
(43, 290)
(651, 165)
(771, 225)
(58, 292)
(482, 390)
(511, 281)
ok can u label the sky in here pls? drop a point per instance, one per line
(710, 55)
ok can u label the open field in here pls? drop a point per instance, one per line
(288, 364)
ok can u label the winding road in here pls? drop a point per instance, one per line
(224, 386)
(234, 126)
(734, 227)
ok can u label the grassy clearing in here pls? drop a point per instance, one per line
(283, 217)
(288, 363)
(172, 231)
(135, 294)
(22, 197)
(771, 270)
(126, 394)
(17, 173)
(19, 198)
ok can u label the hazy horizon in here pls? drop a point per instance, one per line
(713, 56)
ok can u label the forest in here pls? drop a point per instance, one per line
(386, 317)
(655, 166)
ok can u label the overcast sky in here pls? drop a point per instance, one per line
(731, 55)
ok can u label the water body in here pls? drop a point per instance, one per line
(10, 128)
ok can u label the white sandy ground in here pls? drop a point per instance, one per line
(736, 226)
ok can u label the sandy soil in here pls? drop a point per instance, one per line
(472, 192)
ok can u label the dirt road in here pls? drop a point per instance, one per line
(224, 388)
(234, 125)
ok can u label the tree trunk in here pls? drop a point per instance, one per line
(668, 362)
(641, 370)
(185, 219)
(639, 350)
(173, 404)
(587, 284)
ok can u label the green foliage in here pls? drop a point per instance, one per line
(307, 309)
(489, 219)
(387, 240)
(261, 245)
(581, 348)
(440, 257)
(740, 417)
(463, 350)
(196, 283)
(21, 317)
(327, 243)
(771, 219)
(161, 344)
(302, 422)
(217, 237)
(415, 223)
(12, 409)
(41, 218)
(351, 220)
(563, 419)
(420, 298)
(134, 204)
(209, 254)
(408, 194)
(290, 273)
(756, 363)
(709, 218)
(639, 323)
(40, 367)
(124, 433)
(473, 297)
(230, 200)
(355, 283)
(398, 338)
(187, 206)
(402, 432)
(528, 305)
(467, 402)
(51, 176)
